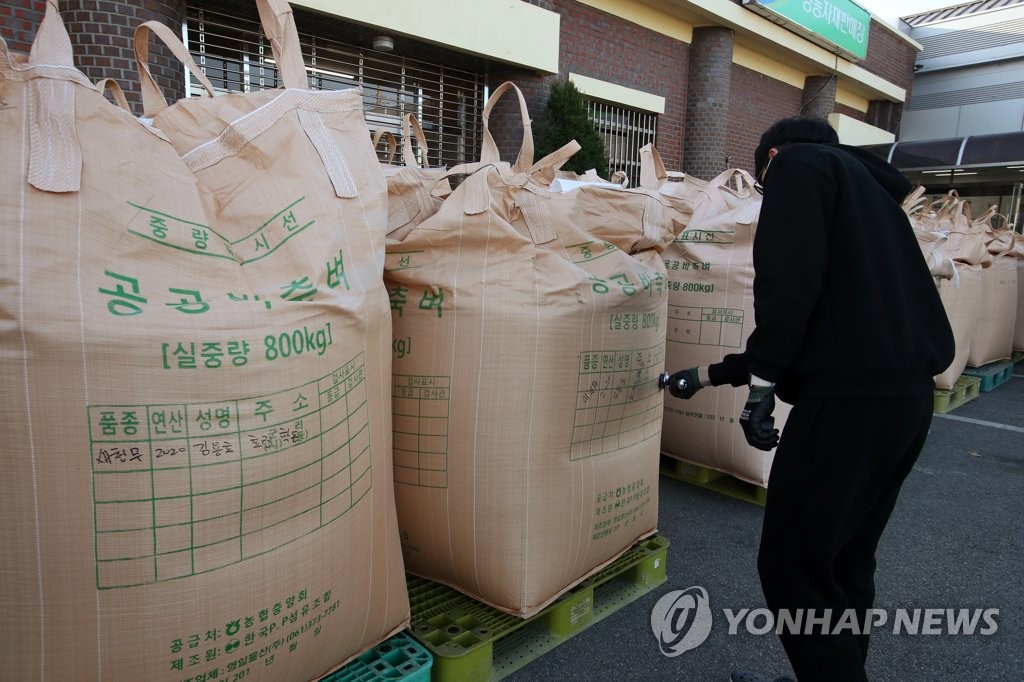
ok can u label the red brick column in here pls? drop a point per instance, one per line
(102, 37)
(18, 22)
(885, 115)
(707, 107)
(102, 33)
(819, 97)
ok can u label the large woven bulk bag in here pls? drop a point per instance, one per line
(961, 298)
(526, 405)
(414, 192)
(994, 332)
(196, 477)
(993, 336)
(1018, 333)
(711, 314)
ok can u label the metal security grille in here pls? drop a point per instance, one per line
(624, 132)
(236, 56)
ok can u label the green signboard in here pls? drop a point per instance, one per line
(841, 23)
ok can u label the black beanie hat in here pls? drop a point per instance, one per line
(794, 129)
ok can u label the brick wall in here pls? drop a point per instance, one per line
(756, 102)
(601, 46)
(18, 22)
(893, 59)
(851, 112)
(102, 39)
(890, 57)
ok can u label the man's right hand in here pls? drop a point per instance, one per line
(684, 383)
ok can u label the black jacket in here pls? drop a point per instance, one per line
(844, 304)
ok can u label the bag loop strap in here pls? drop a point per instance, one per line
(278, 22)
(392, 143)
(111, 85)
(411, 128)
(55, 157)
(153, 101)
(489, 150)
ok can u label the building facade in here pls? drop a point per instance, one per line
(963, 128)
(701, 80)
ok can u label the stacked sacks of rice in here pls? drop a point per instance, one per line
(931, 237)
(711, 275)
(957, 256)
(530, 325)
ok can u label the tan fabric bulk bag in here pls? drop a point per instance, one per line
(992, 340)
(526, 404)
(196, 482)
(414, 192)
(711, 314)
(1018, 333)
(961, 298)
(955, 250)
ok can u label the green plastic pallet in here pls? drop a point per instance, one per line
(965, 389)
(473, 642)
(711, 479)
(992, 375)
(398, 658)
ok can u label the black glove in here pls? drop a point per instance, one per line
(757, 420)
(684, 383)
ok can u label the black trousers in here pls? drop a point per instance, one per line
(834, 482)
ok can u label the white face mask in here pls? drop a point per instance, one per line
(759, 185)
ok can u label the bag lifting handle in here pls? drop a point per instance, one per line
(153, 101)
(489, 150)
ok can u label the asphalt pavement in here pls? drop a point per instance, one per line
(954, 544)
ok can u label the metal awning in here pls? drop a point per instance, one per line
(998, 150)
(976, 165)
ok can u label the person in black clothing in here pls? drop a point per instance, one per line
(850, 330)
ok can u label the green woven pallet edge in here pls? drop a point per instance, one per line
(399, 658)
(965, 389)
(473, 642)
(711, 479)
(992, 375)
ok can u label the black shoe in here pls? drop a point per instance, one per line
(738, 676)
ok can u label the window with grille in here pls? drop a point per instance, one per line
(235, 55)
(624, 132)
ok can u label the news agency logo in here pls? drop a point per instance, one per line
(681, 620)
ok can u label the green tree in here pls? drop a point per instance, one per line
(565, 119)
